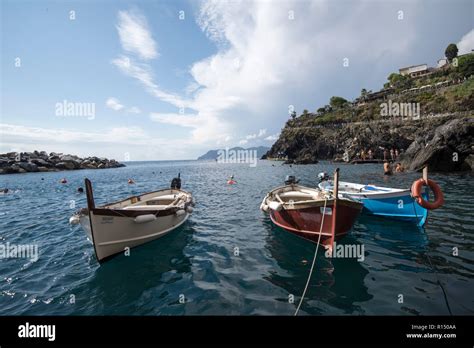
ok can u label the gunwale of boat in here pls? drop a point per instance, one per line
(356, 190)
(318, 197)
(140, 200)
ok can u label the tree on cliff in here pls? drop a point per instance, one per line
(321, 111)
(337, 102)
(305, 112)
(293, 115)
(398, 81)
(451, 52)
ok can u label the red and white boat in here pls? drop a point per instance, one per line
(310, 213)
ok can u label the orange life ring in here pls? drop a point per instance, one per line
(416, 189)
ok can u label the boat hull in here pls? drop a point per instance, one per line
(393, 205)
(112, 235)
(386, 202)
(401, 207)
(306, 222)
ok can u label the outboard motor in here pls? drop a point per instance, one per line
(323, 176)
(176, 182)
(291, 180)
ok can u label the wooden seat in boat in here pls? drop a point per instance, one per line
(146, 207)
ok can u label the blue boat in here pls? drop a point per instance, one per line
(383, 201)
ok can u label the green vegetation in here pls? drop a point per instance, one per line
(337, 102)
(449, 99)
(466, 65)
(451, 52)
(449, 96)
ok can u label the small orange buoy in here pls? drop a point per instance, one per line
(63, 181)
(130, 181)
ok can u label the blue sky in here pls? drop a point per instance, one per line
(168, 87)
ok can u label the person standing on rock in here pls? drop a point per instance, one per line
(397, 153)
(392, 154)
(371, 156)
(385, 155)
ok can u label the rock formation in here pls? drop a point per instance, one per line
(41, 161)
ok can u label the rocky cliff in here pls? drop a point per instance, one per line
(435, 127)
(444, 143)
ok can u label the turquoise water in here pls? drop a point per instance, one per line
(228, 258)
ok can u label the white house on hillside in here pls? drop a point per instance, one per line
(414, 70)
(442, 62)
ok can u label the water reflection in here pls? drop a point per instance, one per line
(391, 240)
(335, 283)
(124, 279)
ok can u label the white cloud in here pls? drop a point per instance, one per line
(113, 142)
(143, 74)
(114, 104)
(260, 134)
(272, 137)
(123, 135)
(265, 61)
(135, 36)
(251, 136)
(134, 110)
(467, 43)
(243, 142)
(175, 119)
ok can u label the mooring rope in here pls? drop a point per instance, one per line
(433, 269)
(314, 259)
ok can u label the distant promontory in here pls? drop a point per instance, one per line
(41, 161)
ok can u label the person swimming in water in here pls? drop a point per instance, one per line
(399, 168)
(231, 180)
(387, 168)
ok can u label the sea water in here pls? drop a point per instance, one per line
(228, 258)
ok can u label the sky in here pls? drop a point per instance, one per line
(164, 80)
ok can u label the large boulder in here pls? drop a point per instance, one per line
(445, 150)
(4, 162)
(470, 161)
(41, 162)
(67, 158)
(11, 169)
(53, 159)
(65, 165)
(28, 166)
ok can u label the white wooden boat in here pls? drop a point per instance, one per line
(117, 227)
